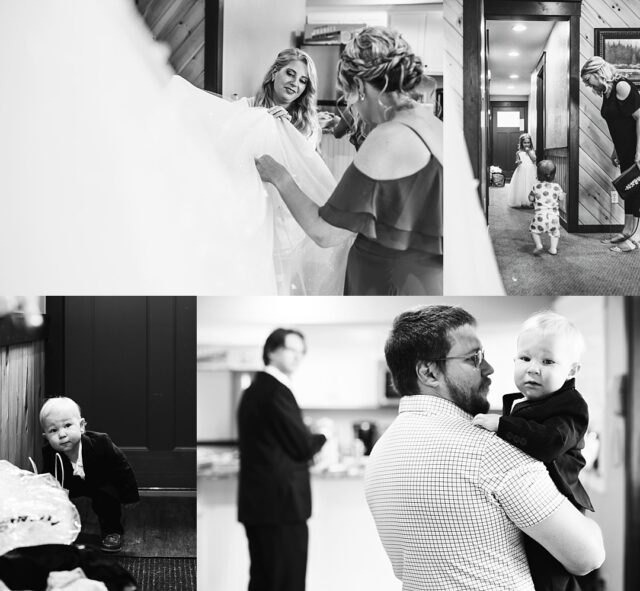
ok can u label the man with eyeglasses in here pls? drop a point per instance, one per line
(451, 501)
(274, 492)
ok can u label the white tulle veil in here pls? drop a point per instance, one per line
(119, 177)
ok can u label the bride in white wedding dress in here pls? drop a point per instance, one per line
(238, 133)
(119, 177)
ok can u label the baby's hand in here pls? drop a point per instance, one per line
(488, 422)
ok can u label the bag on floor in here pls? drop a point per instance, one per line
(497, 179)
(628, 183)
(30, 568)
(34, 509)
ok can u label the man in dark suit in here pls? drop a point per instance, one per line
(274, 495)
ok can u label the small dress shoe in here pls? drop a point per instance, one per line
(111, 543)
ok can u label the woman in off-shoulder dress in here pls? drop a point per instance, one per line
(390, 197)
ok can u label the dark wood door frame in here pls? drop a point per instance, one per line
(213, 43)
(632, 455)
(541, 104)
(473, 31)
(474, 15)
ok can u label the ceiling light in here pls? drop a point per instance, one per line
(513, 76)
(519, 28)
(514, 53)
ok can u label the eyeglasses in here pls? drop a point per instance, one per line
(477, 358)
(301, 352)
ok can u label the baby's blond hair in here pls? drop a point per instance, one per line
(55, 402)
(548, 322)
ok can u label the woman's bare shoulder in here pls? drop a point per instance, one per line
(623, 88)
(394, 150)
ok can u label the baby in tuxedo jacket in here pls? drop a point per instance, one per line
(92, 466)
(547, 419)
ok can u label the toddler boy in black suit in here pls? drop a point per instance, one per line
(547, 419)
(92, 466)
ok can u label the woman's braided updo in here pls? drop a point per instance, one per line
(382, 58)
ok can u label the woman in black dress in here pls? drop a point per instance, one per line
(621, 110)
(391, 195)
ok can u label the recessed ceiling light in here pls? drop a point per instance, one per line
(514, 53)
(513, 76)
(519, 28)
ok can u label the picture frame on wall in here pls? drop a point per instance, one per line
(620, 47)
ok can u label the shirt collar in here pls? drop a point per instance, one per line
(78, 467)
(432, 405)
(278, 375)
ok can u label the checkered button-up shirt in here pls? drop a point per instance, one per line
(449, 498)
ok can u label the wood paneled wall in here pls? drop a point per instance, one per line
(596, 170)
(179, 24)
(21, 394)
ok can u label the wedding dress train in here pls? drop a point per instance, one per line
(238, 134)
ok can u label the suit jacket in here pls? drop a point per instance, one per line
(275, 450)
(104, 466)
(551, 430)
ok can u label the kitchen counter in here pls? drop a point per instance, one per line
(224, 462)
(344, 549)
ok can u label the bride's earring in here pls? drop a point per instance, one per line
(361, 96)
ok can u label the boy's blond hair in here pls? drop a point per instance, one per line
(548, 322)
(51, 403)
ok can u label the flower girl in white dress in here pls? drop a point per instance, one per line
(525, 174)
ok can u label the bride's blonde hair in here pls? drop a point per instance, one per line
(304, 116)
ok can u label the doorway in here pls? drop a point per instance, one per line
(508, 121)
(548, 46)
(130, 363)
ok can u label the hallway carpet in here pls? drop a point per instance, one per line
(582, 266)
(162, 574)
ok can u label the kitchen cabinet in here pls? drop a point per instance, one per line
(340, 371)
(341, 368)
(424, 32)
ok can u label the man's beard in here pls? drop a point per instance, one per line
(471, 402)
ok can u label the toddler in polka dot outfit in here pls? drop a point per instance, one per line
(545, 196)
